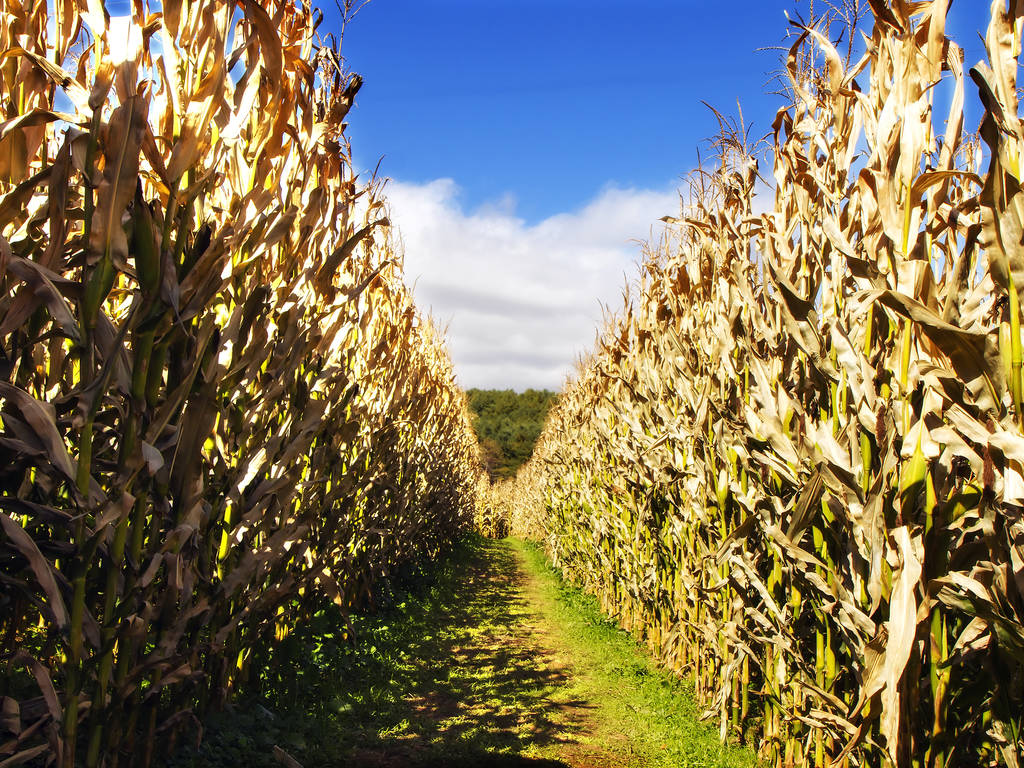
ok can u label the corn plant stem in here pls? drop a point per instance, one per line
(1015, 350)
(109, 629)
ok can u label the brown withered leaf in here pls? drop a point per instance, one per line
(122, 140)
(42, 417)
(40, 566)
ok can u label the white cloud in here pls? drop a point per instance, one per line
(521, 301)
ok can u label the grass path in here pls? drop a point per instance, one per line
(642, 715)
(489, 660)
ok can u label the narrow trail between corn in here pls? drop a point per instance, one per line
(493, 685)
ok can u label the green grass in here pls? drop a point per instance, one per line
(643, 706)
(472, 662)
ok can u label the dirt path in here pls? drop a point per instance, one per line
(488, 683)
(484, 659)
(595, 744)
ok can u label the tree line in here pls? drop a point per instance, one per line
(507, 425)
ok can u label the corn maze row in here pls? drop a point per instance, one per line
(794, 462)
(219, 405)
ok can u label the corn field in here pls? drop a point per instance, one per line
(794, 462)
(219, 405)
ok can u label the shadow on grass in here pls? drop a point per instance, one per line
(448, 675)
(484, 760)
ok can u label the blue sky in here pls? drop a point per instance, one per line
(532, 144)
(549, 101)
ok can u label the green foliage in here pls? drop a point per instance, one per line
(508, 424)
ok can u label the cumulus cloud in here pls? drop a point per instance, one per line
(521, 301)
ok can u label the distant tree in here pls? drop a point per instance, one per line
(509, 421)
(491, 455)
